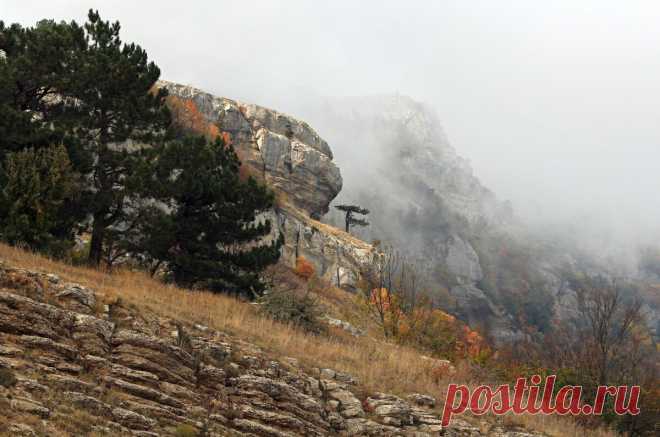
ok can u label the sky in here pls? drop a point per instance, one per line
(555, 104)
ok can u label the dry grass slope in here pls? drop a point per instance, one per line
(378, 366)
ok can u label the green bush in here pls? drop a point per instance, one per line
(299, 309)
(185, 430)
(39, 189)
(7, 378)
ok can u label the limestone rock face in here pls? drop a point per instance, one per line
(462, 260)
(297, 164)
(135, 373)
(336, 255)
(423, 196)
(287, 153)
(394, 156)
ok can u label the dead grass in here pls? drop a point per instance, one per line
(377, 365)
(326, 229)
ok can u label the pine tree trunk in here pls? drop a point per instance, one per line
(96, 245)
(101, 182)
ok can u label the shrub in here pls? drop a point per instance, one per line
(39, 189)
(304, 268)
(299, 309)
(7, 378)
(185, 430)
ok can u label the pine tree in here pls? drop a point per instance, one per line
(37, 64)
(350, 219)
(39, 188)
(110, 111)
(205, 228)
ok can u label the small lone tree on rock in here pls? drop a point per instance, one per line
(350, 219)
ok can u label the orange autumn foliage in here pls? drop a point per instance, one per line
(188, 117)
(226, 137)
(430, 328)
(304, 268)
(381, 297)
(475, 344)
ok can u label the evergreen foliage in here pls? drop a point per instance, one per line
(116, 171)
(109, 107)
(61, 83)
(350, 219)
(37, 63)
(204, 227)
(299, 309)
(39, 189)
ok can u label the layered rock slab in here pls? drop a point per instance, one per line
(134, 373)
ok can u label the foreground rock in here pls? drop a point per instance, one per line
(81, 367)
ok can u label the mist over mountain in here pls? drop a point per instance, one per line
(480, 258)
(553, 104)
(303, 218)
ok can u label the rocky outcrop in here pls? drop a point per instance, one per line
(297, 164)
(337, 256)
(285, 152)
(80, 367)
(462, 260)
(423, 197)
(392, 144)
(343, 325)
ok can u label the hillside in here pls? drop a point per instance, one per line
(124, 354)
(92, 353)
(173, 262)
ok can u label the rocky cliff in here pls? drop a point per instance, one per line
(423, 196)
(73, 364)
(424, 199)
(289, 156)
(487, 268)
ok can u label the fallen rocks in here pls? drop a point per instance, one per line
(92, 334)
(348, 405)
(44, 343)
(390, 409)
(88, 403)
(143, 392)
(77, 298)
(22, 315)
(69, 383)
(21, 430)
(421, 400)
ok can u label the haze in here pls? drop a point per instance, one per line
(554, 103)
